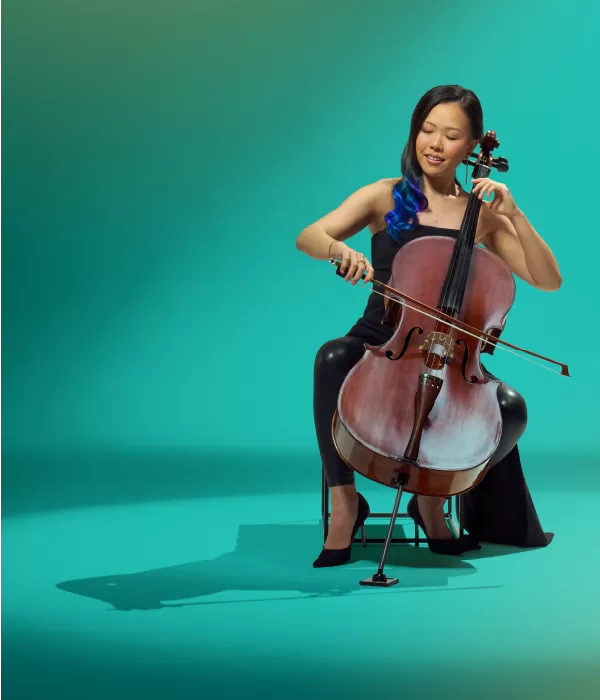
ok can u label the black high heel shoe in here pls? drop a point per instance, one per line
(454, 546)
(337, 557)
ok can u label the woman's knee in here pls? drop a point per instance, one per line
(344, 351)
(514, 412)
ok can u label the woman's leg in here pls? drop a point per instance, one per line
(514, 421)
(500, 508)
(333, 362)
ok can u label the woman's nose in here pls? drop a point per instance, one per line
(437, 142)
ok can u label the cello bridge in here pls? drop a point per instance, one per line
(439, 344)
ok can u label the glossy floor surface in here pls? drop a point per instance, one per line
(217, 598)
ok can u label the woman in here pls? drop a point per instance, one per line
(446, 126)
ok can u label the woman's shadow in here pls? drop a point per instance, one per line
(274, 557)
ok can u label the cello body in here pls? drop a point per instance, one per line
(419, 410)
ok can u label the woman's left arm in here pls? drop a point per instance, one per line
(513, 238)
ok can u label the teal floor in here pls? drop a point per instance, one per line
(217, 598)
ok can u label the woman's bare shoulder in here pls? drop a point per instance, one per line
(385, 185)
(390, 181)
(385, 202)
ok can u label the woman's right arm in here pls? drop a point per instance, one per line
(325, 238)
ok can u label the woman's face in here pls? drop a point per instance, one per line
(444, 139)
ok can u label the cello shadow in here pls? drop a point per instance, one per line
(267, 559)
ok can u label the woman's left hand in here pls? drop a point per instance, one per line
(503, 202)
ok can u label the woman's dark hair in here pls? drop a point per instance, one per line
(408, 193)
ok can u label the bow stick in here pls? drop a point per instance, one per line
(454, 322)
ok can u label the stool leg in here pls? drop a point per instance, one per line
(455, 525)
(380, 579)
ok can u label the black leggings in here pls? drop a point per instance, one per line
(333, 362)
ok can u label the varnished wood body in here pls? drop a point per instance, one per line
(376, 404)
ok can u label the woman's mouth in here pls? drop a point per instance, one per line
(434, 160)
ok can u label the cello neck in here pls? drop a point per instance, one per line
(453, 290)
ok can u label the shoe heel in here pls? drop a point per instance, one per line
(336, 557)
(451, 547)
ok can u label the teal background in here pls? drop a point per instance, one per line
(159, 325)
(159, 162)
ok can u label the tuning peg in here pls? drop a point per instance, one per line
(501, 164)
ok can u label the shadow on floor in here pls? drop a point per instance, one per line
(276, 558)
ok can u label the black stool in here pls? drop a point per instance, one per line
(453, 509)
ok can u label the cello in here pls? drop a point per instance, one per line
(419, 413)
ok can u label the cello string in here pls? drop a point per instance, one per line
(448, 342)
(471, 218)
(477, 337)
(437, 372)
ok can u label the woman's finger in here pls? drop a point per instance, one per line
(353, 266)
(485, 190)
(345, 260)
(353, 275)
(359, 271)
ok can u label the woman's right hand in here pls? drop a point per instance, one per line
(353, 263)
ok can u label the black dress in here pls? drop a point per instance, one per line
(499, 509)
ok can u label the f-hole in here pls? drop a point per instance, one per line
(390, 355)
(473, 379)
